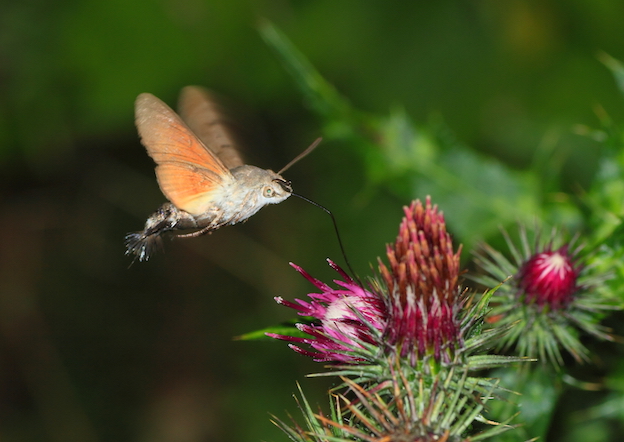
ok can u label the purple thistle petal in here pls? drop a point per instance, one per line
(305, 352)
(286, 338)
(337, 268)
(292, 305)
(320, 284)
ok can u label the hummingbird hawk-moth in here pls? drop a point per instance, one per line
(199, 170)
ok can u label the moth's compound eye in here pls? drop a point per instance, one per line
(268, 192)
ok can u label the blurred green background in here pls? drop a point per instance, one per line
(94, 350)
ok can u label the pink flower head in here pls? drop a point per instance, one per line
(549, 278)
(348, 316)
(422, 281)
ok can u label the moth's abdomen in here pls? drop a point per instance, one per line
(167, 218)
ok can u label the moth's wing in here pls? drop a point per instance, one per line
(188, 173)
(189, 188)
(201, 111)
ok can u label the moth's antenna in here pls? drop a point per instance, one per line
(301, 155)
(342, 249)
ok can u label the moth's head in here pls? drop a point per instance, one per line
(260, 185)
(277, 189)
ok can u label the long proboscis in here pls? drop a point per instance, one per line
(342, 249)
(301, 155)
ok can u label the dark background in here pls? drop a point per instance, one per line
(94, 350)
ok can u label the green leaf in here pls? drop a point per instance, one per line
(287, 329)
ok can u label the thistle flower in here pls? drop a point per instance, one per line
(550, 297)
(404, 346)
(423, 294)
(347, 319)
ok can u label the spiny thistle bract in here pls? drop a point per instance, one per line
(425, 409)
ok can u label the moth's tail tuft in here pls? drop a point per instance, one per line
(142, 245)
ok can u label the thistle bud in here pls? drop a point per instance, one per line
(549, 278)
